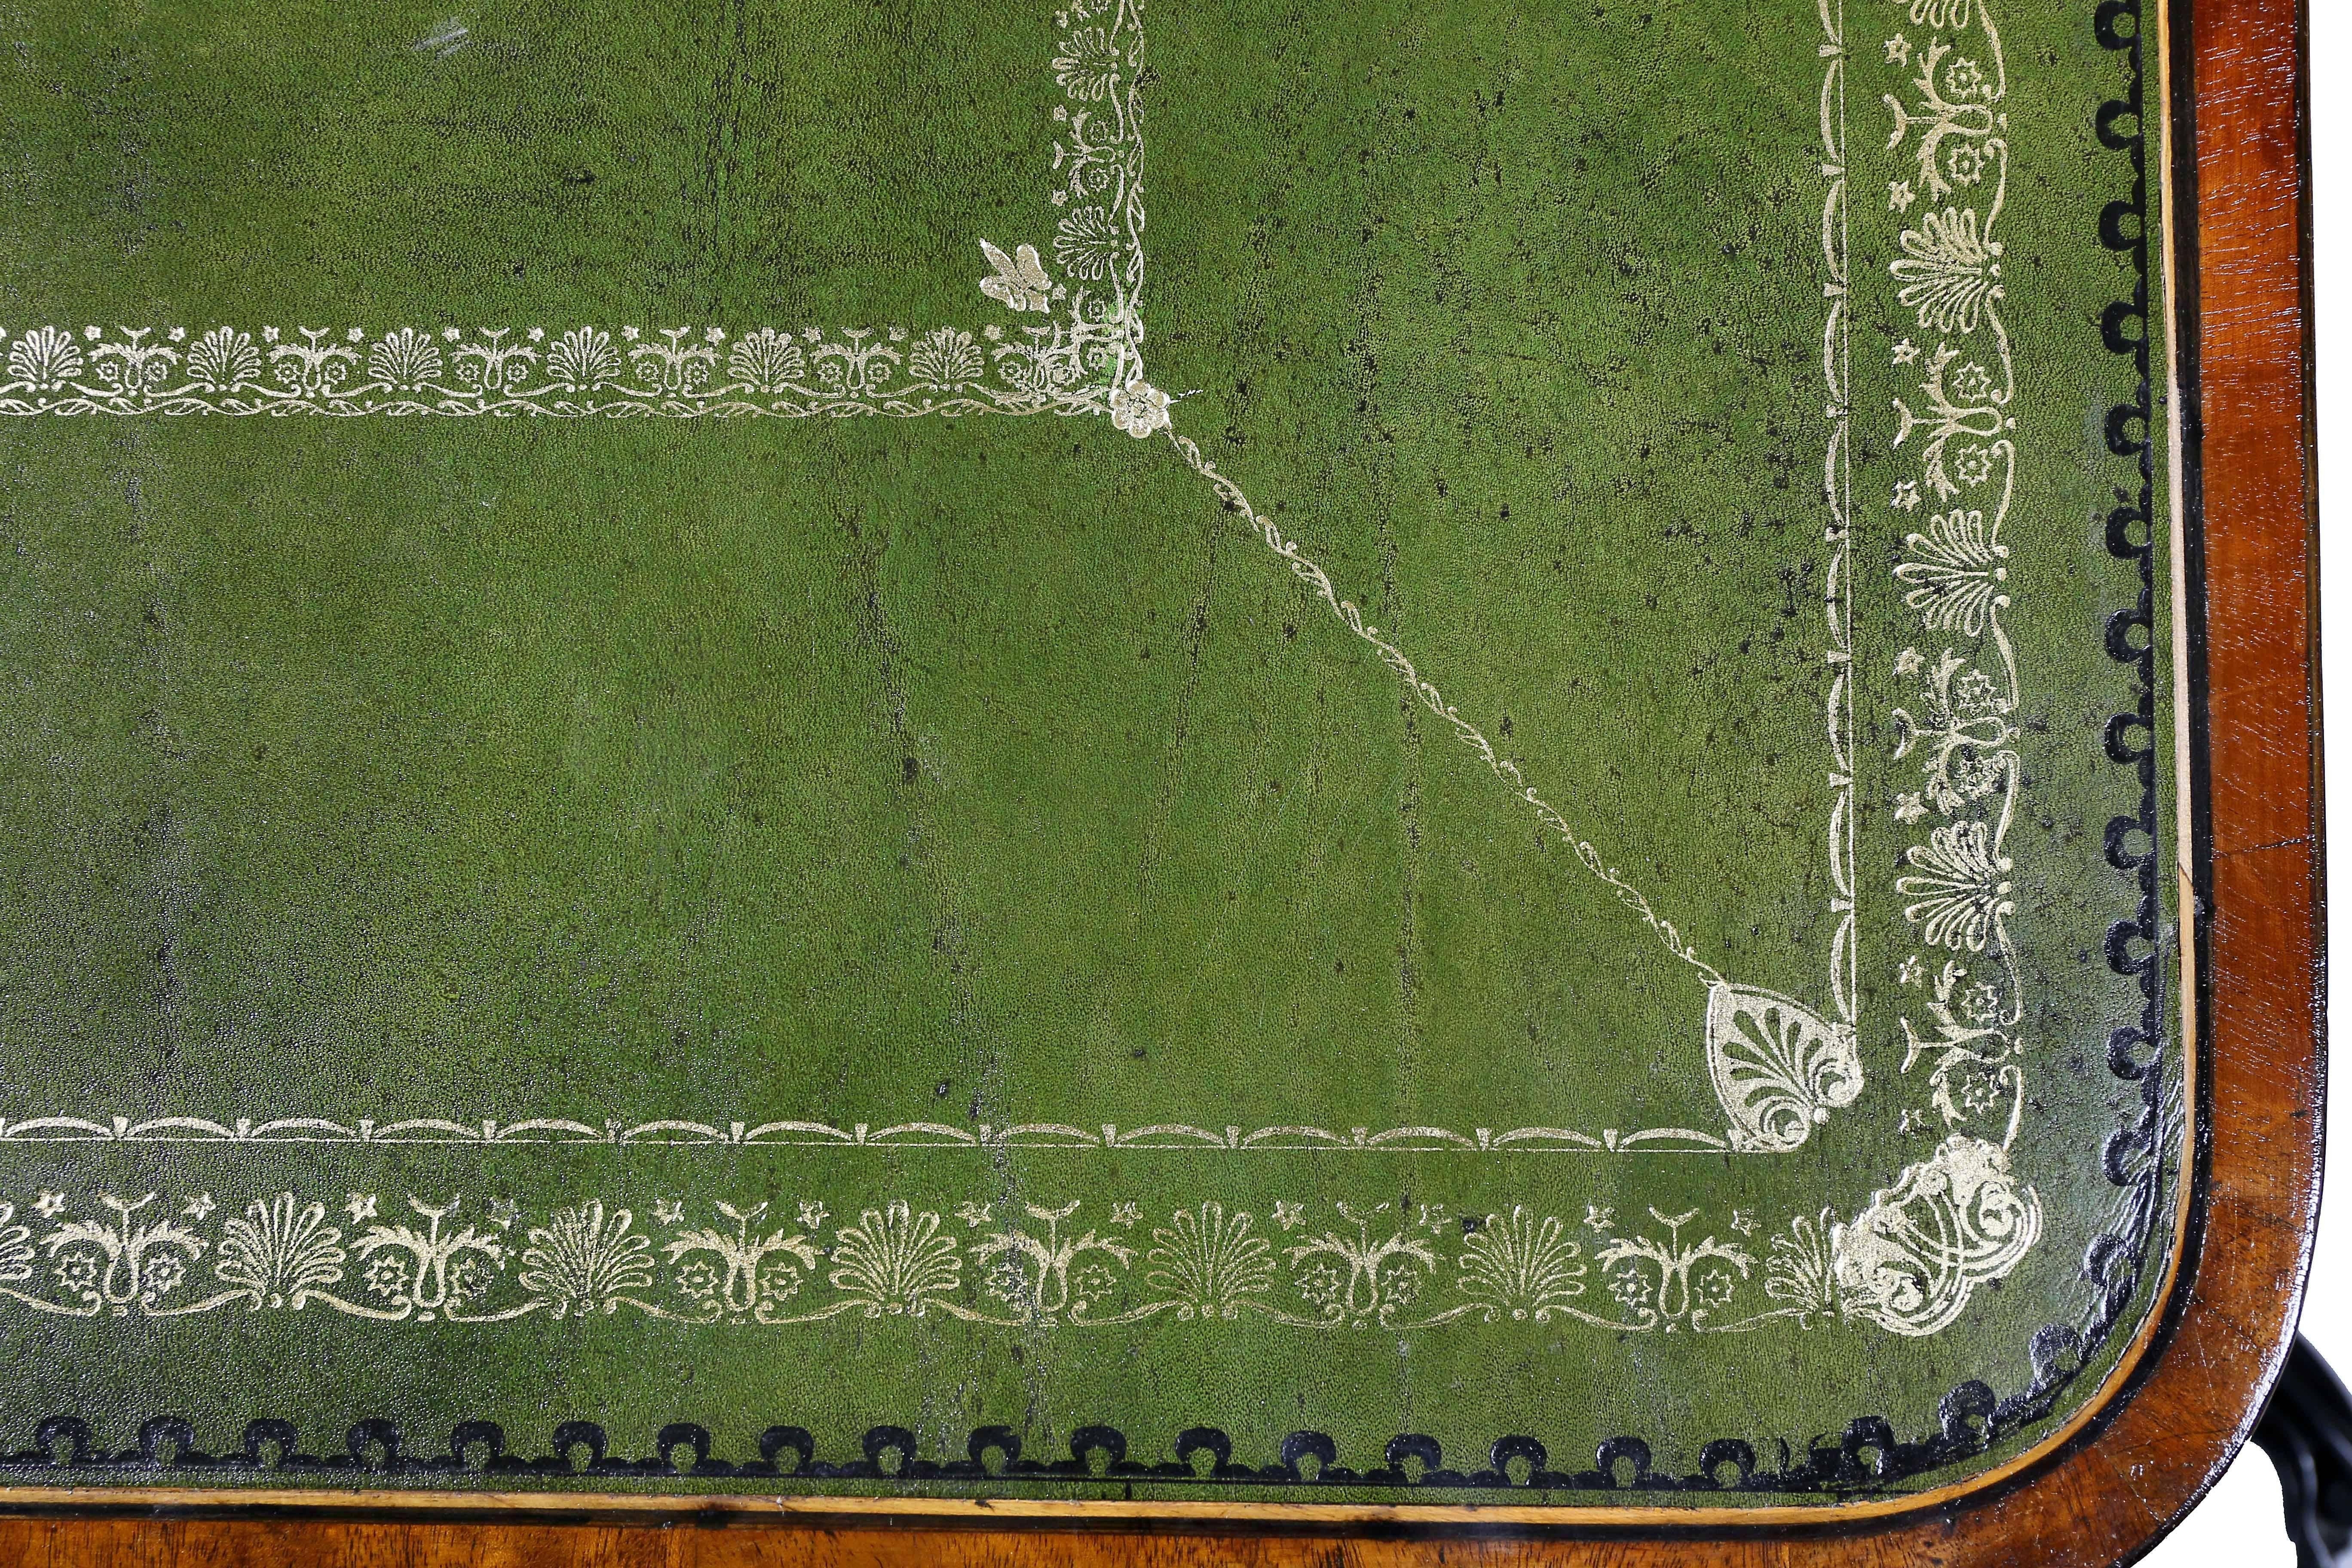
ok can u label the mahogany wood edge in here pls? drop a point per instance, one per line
(2188, 1395)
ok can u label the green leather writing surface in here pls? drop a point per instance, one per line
(700, 754)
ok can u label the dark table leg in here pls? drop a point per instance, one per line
(2308, 1433)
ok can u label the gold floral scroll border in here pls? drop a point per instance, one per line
(1085, 1263)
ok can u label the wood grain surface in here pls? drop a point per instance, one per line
(2261, 1074)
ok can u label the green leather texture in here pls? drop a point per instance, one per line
(1332, 750)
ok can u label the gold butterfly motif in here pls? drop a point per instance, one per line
(1020, 281)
